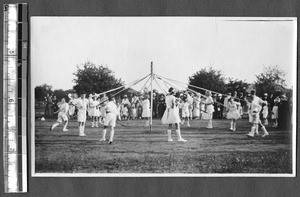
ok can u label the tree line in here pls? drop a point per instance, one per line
(98, 78)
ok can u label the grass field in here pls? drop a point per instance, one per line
(135, 150)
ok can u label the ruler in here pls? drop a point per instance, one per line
(15, 48)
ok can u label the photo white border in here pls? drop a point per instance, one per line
(220, 175)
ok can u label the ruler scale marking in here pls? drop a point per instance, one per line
(14, 100)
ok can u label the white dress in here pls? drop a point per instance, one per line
(72, 107)
(275, 108)
(94, 109)
(275, 112)
(171, 114)
(209, 109)
(82, 108)
(185, 110)
(196, 110)
(146, 108)
(89, 108)
(190, 101)
(265, 112)
(233, 112)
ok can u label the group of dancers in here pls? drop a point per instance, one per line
(105, 110)
(105, 105)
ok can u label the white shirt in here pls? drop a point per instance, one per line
(64, 107)
(226, 101)
(170, 101)
(81, 104)
(185, 106)
(111, 107)
(146, 104)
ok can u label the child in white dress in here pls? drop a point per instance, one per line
(209, 109)
(265, 113)
(185, 112)
(94, 111)
(146, 110)
(233, 112)
(196, 106)
(275, 111)
(202, 106)
(124, 110)
(171, 116)
(134, 112)
(72, 104)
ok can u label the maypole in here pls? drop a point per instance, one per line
(151, 104)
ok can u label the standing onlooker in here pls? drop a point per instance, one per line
(124, 112)
(49, 107)
(185, 112)
(190, 101)
(283, 108)
(233, 113)
(161, 106)
(290, 110)
(275, 111)
(202, 106)
(55, 104)
(243, 106)
(196, 106)
(146, 114)
(226, 99)
(209, 109)
(220, 101)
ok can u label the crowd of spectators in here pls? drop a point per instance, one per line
(277, 112)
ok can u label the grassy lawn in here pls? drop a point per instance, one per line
(135, 150)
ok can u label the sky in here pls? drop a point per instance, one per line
(177, 46)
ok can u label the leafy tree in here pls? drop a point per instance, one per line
(40, 92)
(209, 79)
(270, 81)
(237, 85)
(93, 78)
(60, 94)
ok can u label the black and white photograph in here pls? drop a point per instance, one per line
(163, 96)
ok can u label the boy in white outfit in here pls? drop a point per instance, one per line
(256, 105)
(62, 115)
(110, 119)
